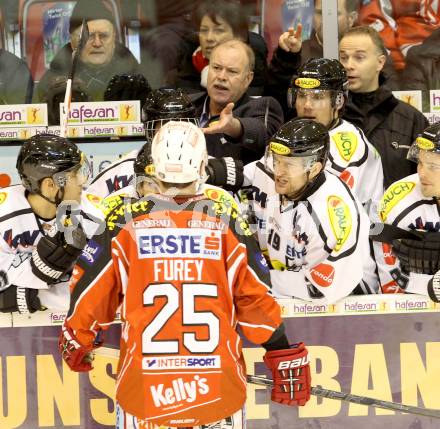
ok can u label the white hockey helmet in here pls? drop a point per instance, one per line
(178, 151)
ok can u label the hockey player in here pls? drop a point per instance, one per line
(412, 204)
(319, 92)
(309, 224)
(161, 106)
(186, 272)
(35, 259)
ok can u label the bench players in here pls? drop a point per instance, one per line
(308, 223)
(184, 268)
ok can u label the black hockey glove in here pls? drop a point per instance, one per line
(419, 256)
(23, 300)
(127, 87)
(226, 173)
(53, 257)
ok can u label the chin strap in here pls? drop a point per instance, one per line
(58, 198)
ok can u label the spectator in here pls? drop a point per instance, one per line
(401, 23)
(351, 157)
(216, 22)
(16, 82)
(291, 52)
(412, 204)
(423, 66)
(101, 58)
(309, 224)
(36, 258)
(237, 125)
(390, 124)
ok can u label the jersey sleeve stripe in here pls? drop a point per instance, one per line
(125, 365)
(231, 281)
(251, 325)
(121, 249)
(239, 368)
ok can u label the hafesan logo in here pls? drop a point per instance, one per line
(279, 148)
(307, 82)
(340, 220)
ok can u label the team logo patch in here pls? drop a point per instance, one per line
(3, 196)
(94, 199)
(323, 274)
(179, 243)
(346, 143)
(347, 178)
(393, 195)
(424, 143)
(279, 148)
(340, 220)
(307, 82)
(91, 252)
(261, 262)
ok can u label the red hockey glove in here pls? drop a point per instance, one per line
(291, 374)
(78, 357)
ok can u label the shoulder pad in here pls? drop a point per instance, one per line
(393, 195)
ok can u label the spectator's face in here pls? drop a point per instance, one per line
(345, 19)
(212, 34)
(315, 104)
(428, 168)
(229, 75)
(362, 61)
(100, 46)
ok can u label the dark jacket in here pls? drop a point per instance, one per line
(259, 117)
(391, 126)
(16, 82)
(188, 78)
(94, 80)
(423, 65)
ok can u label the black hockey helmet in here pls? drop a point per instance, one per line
(301, 138)
(429, 141)
(48, 155)
(164, 105)
(321, 74)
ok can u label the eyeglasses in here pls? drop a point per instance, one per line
(102, 36)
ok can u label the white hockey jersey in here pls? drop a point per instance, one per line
(355, 161)
(20, 231)
(116, 176)
(403, 205)
(318, 247)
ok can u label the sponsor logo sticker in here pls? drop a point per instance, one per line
(307, 82)
(279, 148)
(346, 143)
(340, 220)
(323, 274)
(424, 143)
(91, 252)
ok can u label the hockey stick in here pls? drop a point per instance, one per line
(355, 399)
(83, 37)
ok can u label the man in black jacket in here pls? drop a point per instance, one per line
(234, 124)
(390, 124)
(101, 58)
